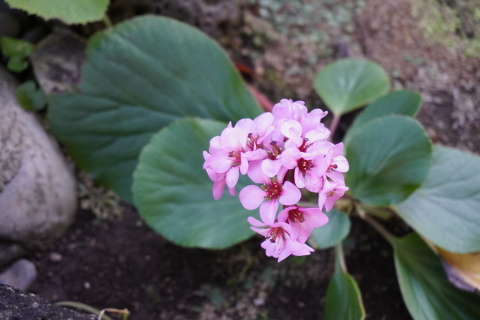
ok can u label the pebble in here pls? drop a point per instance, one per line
(55, 257)
(258, 301)
(20, 274)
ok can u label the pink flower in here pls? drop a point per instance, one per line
(292, 130)
(219, 180)
(226, 154)
(258, 129)
(330, 193)
(338, 162)
(236, 146)
(281, 151)
(309, 167)
(302, 220)
(268, 196)
(312, 122)
(279, 242)
(273, 145)
(290, 110)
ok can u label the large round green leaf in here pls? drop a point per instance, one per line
(174, 194)
(389, 159)
(446, 208)
(343, 299)
(71, 11)
(401, 102)
(348, 84)
(333, 232)
(140, 76)
(426, 290)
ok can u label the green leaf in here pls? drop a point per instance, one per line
(333, 232)
(174, 194)
(140, 76)
(343, 299)
(389, 159)
(71, 11)
(12, 47)
(348, 84)
(402, 102)
(17, 51)
(426, 290)
(30, 97)
(17, 64)
(445, 209)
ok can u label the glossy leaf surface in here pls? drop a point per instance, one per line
(402, 102)
(426, 291)
(343, 299)
(389, 159)
(139, 77)
(445, 209)
(334, 231)
(348, 84)
(71, 11)
(174, 194)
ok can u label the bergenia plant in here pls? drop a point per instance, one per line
(284, 151)
(154, 92)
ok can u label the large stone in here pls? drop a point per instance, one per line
(57, 61)
(37, 189)
(16, 305)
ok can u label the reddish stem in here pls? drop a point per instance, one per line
(334, 125)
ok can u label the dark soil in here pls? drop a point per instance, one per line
(120, 263)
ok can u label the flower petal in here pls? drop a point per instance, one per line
(255, 222)
(318, 134)
(299, 179)
(217, 189)
(290, 194)
(316, 218)
(268, 211)
(256, 173)
(231, 138)
(342, 163)
(284, 254)
(290, 157)
(232, 176)
(271, 167)
(263, 123)
(220, 162)
(251, 197)
(261, 231)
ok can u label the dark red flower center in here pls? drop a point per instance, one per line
(304, 165)
(275, 150)
(252, 142)
(235, 157)
(304, 145)
(272, 189)
(274, 233)
(296, 215)
(332, 167)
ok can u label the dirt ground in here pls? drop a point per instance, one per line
(119, 262)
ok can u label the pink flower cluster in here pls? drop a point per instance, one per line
(283, 151)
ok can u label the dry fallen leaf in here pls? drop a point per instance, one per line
(466, 265)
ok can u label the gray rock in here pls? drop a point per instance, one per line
(15, 305)
(20, 274)
(37, 189)
(57, 61)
